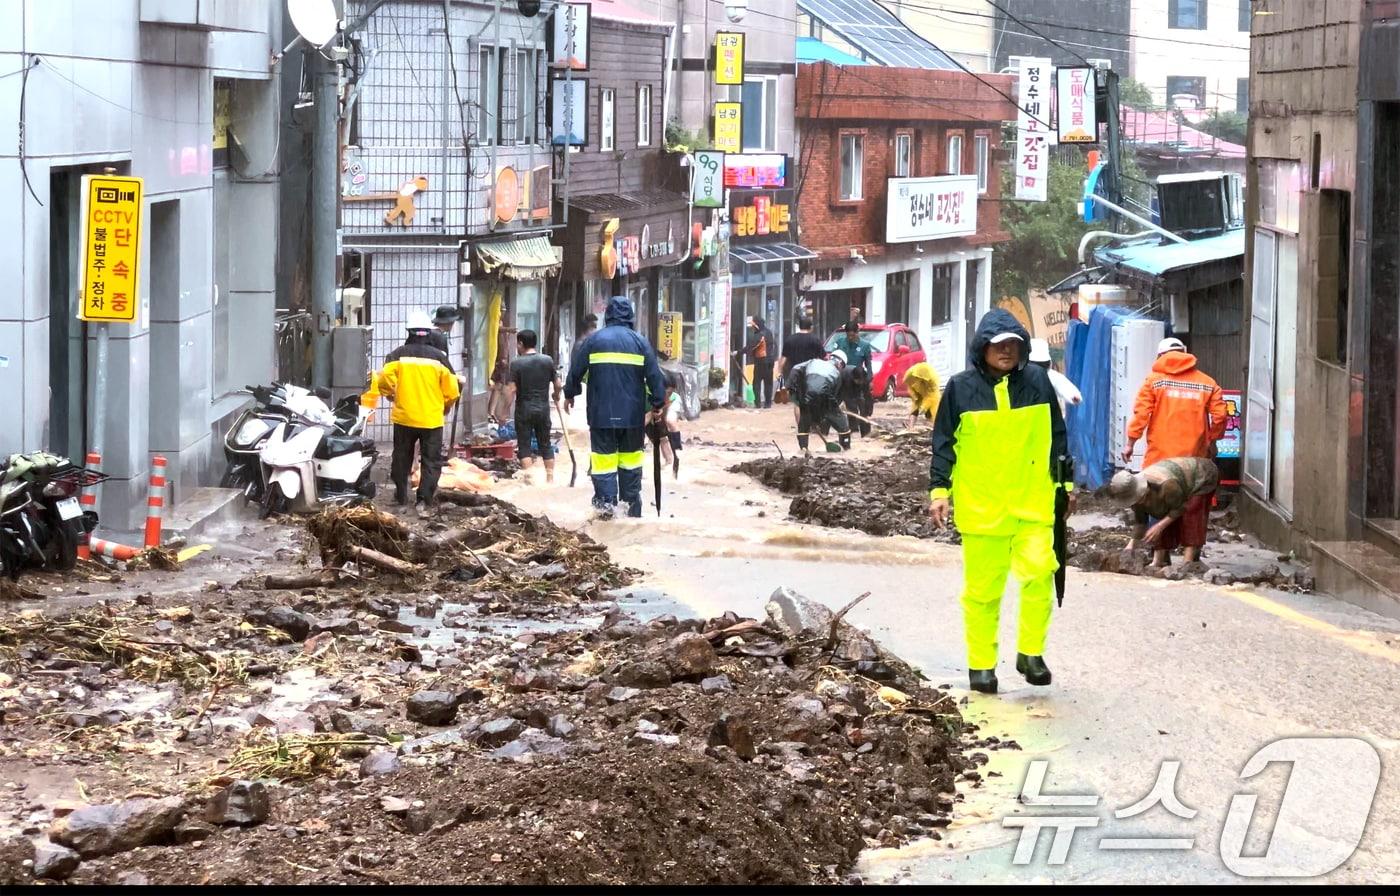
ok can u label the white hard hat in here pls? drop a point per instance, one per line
(838, 358)
(418, 320)
(1040, 351)
(1170, 344)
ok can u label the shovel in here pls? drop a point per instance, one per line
(573, 464)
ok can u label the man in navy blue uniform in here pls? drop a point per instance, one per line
(625, 392)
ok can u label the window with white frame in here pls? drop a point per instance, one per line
(607, 119)
(903, 154)
(644, 115)
(526, 97)
(760, 123)
(955, 144)
(981, 147)
(852, 167)
(488, 91)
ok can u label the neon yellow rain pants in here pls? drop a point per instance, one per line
(1029, 554)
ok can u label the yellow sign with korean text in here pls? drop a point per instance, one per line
(111, 247)
(729, 127)
(668, 334)
(729, 58)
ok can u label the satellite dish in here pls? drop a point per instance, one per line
(315, 20)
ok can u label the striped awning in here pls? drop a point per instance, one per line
(531, 258)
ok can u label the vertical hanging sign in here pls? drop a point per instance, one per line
(111, 247)
(569, 37)
(1077, 120)
(1032, 146)
(729, 127)
(729, 58)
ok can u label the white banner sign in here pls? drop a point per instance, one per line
(930, 208)
(1032, 131)
(1077, 118)
(707, 187)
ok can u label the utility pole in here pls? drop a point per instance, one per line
(325, 211)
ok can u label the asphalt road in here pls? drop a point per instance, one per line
(1146, 672)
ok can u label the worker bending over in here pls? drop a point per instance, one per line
(815, 386)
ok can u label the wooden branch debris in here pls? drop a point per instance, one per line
(383, 561)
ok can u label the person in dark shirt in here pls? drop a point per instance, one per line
(531, 380)
(760, 349)
(800, 347)
(444, 319)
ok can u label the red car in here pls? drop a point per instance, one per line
(894, 348)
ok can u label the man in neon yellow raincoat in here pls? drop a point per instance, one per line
(922, 382)
(996, 440)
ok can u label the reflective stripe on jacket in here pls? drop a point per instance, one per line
(995, 440)
(621, 371)
(419, 382)
(1181, 410)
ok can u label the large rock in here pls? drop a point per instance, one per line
(243, 803)
(797, 616)
(644, 674)
(296, 625)
(499, 732)
(380, 762)
(689, 655)
(111, 828)
(54, 862)
(735, 734)
(432, 708)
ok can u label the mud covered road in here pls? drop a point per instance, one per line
(490, 713)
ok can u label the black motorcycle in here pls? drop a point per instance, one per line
(41, 522)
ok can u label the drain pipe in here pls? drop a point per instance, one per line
(1111, 235)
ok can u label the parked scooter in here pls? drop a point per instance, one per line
(41, 522)
(273, 405)
(308, 463)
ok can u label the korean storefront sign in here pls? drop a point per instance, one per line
(1032, 145)
(569, 37)
(729, 127)
(111, 247)
(729, 58)
(668, 335)
(707, 187)
(930, 208)
(756, 171)
(1077, 120)
(760, 215)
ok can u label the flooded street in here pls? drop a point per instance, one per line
(1146, 670)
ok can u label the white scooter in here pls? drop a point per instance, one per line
(307, 464)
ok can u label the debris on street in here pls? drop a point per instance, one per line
(889, 496)
(480, 710)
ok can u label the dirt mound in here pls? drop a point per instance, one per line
(468, 720)
(884, 497)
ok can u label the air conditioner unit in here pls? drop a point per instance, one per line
(1101, 64)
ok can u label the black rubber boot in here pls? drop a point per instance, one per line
(1033, 668)
(984, 680)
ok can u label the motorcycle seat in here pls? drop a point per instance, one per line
(335, 446)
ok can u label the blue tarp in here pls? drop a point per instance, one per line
(1089, 365)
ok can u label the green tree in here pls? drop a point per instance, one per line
(1045, 236)
(1134, 94)
(1228, 126)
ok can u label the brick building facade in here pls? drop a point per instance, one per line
(870, 136)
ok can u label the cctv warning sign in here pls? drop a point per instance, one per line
(111, 249)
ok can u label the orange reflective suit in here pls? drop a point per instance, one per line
(1180, 409)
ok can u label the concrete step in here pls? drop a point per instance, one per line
(1359, 572)
(1384, 533)
(205, 509)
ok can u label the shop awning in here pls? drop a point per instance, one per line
(532, 258)
(771, 252)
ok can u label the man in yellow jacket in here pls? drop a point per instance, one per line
(998, 441)
(418, 379)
